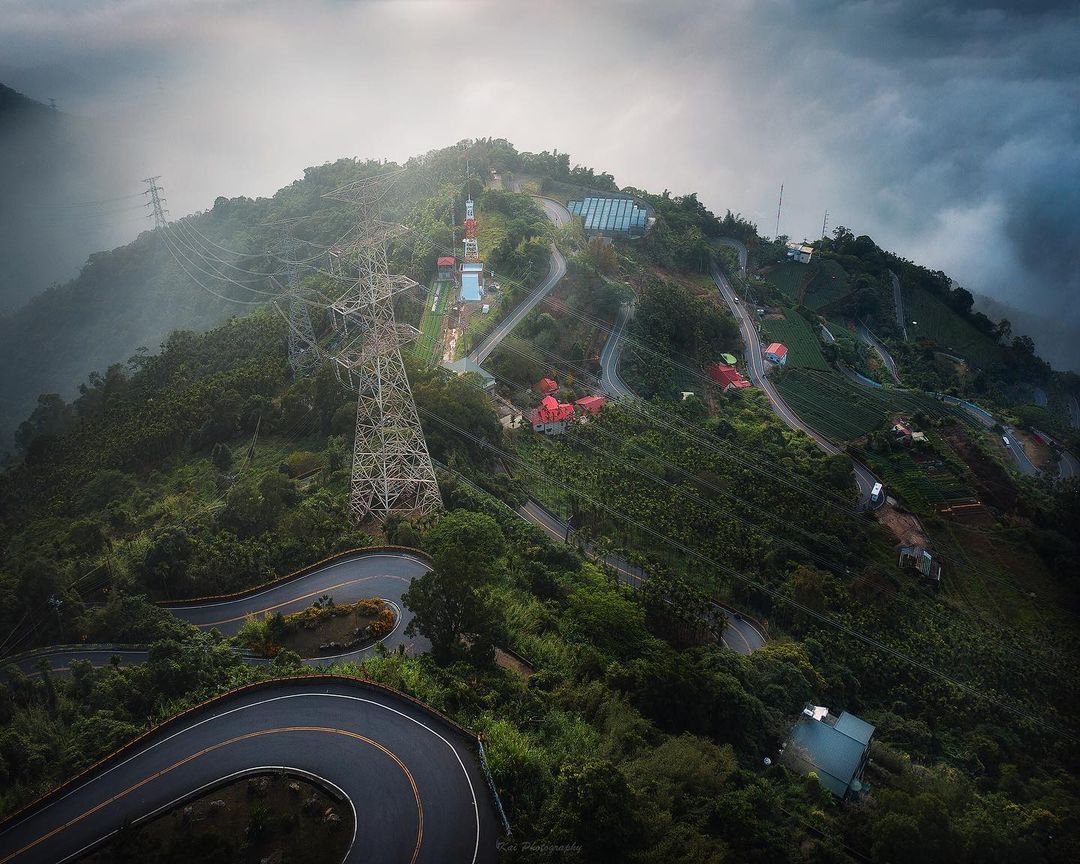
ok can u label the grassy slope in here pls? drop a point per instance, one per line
(802, 342)
(938, 322)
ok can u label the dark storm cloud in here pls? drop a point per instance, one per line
(947, 131)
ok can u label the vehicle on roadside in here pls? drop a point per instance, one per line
(1005, 440)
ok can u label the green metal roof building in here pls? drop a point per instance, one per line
(836, 748)
(730, 359)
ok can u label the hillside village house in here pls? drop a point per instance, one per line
(835, 748)
(776, 353)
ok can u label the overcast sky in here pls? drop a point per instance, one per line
(948, 131)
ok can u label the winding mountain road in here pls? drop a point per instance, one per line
(556, 270)
(613, 385)
(740, 634)
(870, 339)
(411, 778)
(348, 578)
(898, 303)
(756, 367)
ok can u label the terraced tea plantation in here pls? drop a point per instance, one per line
(789, 278)
(842, 410)
(938, 322)
(815, 285)
(828, 284)
(923, 479)
(804, 347)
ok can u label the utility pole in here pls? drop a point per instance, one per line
(824, 224)
(779, 204)
(391, 470)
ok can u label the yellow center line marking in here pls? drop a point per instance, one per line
(318, 593)
(220, 745)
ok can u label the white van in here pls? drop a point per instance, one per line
(1005, 440)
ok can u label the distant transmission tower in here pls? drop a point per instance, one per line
(157, 200)
(392, 471)
(824, 224)
(303, 349)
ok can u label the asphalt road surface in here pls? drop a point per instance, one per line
(870, 339)
(756, 367)
(740, 634)
(738, 246)
(412, 780)
(613, 385)
(1023, 464)
(556, 270)
(898, 302)
(364, 574)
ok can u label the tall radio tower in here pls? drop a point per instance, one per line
(392, 471)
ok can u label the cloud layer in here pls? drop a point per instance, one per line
(947, 131)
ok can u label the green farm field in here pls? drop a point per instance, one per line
(923, 484)
(435, 304)
(938, 322)
(804, 347)
(828, 284)
(788, 279)
(844, 411)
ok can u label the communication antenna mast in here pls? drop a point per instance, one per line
(392, 470)
(824, 224)
(779, 204)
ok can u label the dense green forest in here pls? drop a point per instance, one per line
(205, 467)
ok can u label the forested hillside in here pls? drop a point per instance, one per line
(625, 728)
(134, 296)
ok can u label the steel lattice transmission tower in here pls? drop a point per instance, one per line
(392, 470)
(157, 201)
(303, 348)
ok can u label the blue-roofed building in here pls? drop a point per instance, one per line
(610, 216)
(472, 273)
(834, 748)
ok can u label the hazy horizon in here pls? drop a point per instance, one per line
(944, 131)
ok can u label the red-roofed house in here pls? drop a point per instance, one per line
(547, 386)
(727, 377)
(446, 265)
(552, 416)
(591, 404)
(776, 353)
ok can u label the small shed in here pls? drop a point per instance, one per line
(921, 559)
(591, 404)
(465, 365)
(547, 386)
(446, 265)
(800, 252)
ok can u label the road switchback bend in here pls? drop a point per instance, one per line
(347, 578)
(411, 778)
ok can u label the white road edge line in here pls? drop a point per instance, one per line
(257, 769)
(472, 790)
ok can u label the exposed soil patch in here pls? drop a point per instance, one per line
(513, 662)
(904, 526)
(1041, 456)
(272, 818)
(991, 481)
